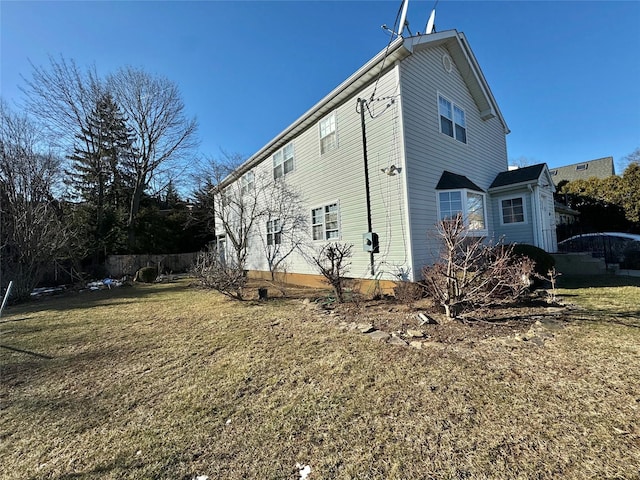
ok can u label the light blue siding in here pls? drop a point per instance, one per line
(514, 232)
(338, 176)
(429, 152)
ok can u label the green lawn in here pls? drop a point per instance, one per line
(168, 382)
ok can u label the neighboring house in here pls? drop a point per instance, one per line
(565, 215)
(435, 147)
(599, 168)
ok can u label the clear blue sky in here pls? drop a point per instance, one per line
(565, 74)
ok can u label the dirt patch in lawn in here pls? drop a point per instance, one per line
(518, 321)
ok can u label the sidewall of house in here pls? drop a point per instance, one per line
(430, 152)
(337, 176)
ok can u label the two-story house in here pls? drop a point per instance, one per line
(414, 136)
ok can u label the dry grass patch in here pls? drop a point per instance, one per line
(165, 381)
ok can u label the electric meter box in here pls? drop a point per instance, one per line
(370, 242)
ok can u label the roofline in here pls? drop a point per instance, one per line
(460, 40)
(482, 80)
(544, 171)
(512, 186)
(396, 51)
(390, 55)
(586, 161)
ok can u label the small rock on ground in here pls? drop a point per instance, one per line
(398, 341)
(379, 336)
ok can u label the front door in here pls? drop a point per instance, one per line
(548, 218)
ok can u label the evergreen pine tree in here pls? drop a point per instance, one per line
(96, 175)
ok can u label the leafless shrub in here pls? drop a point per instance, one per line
(552, 277)
(408, 293)
(212, 271)
(472, 273)
(333, 262)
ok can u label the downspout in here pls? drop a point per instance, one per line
(361, 103)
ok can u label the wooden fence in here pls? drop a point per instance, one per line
(120, 265)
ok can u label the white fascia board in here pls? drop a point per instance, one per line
(462, 54)
(395, 52)
(512, 186)
(482, 82)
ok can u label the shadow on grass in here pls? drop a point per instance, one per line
(89, 299)
(28, 352)
(585, 281)
(601, 316)
(8, 320)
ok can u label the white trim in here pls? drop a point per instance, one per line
(454, 105)
(465, 214)
(535, 207)
(333, 114)
(525, 220)
(247, 182)
(283, 160)
(324, 223)
(405, 183)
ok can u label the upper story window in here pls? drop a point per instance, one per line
(283, 161)
(324, 222)
(582, 166)
(512, 210)
(452, 119)
(328, 135)
(225, 197)
(247, 182)
(470, 204)
(274, 232)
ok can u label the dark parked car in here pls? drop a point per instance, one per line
(615, 247)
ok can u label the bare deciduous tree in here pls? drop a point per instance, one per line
(249, 207)
(32, 233)
(238, 204)
(231, 206)
(333, 262)
(285, 222)
(62, 97)
(163, 134)
(212, 271)
(471, 273)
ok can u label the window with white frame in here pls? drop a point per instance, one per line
(225, 197)
(328, 136)
(470, 204)
(221, 246)
(274, 232)
(283, 161)
(324, 222)
(452, 119)
(247, 182)
(512, 210)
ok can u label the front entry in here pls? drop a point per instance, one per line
(548, 219)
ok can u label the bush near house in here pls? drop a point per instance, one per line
(543, 262)
(470, 273)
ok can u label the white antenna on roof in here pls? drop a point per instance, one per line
(430, 24)
(403, 17)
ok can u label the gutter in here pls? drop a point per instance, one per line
(360, 79)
